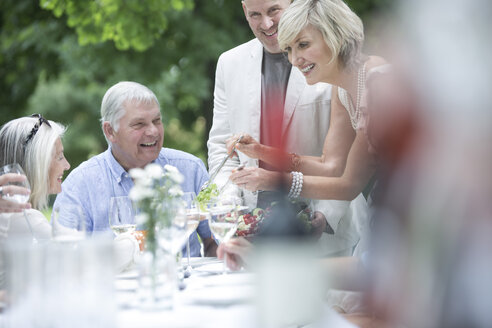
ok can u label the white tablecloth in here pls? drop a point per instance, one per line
(209, 300)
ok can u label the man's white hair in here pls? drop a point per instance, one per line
(112, 106)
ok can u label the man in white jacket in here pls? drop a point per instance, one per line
(258, 92)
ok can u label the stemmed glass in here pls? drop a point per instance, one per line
(172, 237)
(68, 224)
(122, 215)
(17, 169)
(193, 219)
(223, 220)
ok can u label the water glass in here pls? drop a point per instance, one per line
(68, 223)
(15, 169)
(193, 219)
(122, 215)
(51, 285)
(223, 220)
(172, 237)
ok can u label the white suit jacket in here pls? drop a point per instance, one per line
(237, 109)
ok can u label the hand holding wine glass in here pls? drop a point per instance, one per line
(14, 189)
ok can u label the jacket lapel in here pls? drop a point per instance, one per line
(296, 85)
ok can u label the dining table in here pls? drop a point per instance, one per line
(207, 298)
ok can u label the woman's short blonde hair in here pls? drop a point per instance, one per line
(34, 156)
(341, 28)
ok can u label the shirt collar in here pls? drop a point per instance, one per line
(161, 159)
(117, 171)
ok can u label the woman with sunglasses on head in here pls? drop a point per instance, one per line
(323, 39)
(35, 144)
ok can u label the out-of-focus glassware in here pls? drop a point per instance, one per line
(68, 223)
(51, 285)
(122, 215)
(223, 219)
(15, 168)
(193, 219)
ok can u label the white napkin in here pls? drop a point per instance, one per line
(126, 251)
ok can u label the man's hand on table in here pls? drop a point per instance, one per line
(209, 247)
(236, 250)
(318, 224)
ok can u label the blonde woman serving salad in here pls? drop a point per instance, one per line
(323, 39)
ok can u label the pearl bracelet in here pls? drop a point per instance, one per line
(293, 185)
(299, 187)
(296, 187)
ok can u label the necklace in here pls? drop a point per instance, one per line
(354, 113)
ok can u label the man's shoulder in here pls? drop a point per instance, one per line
(175, 156)
(88, 167)
(241, 50)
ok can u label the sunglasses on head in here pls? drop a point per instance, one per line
(36, 127)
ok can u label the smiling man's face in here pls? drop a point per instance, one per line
(263, 17)
(140, 135)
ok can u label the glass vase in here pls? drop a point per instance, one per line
(157, 280)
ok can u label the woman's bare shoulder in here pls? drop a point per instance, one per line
(375, 61)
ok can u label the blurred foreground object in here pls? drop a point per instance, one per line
(431, 265)
(59, 284)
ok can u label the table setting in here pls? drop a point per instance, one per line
(208, 298)
(85, 282)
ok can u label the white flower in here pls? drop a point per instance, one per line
(171, 169)
(137, 173)
(174, 174)
(157, 192)
(176, 191)
(138, 193)
(141, 177)
(154, 171)
(141, 218)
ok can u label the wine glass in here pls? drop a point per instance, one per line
(122, 215)
(193, 219)
(223, 220)
(171, 236)
(15, 168)
(68, 223)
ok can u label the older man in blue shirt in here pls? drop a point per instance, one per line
(132, 124)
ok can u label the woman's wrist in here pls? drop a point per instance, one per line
(294, 162)
(287, 179)
(261, 151)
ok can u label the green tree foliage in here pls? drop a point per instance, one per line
(130, 24)
(59, 61)
(28, 46)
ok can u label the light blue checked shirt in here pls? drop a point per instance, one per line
(92, 184)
